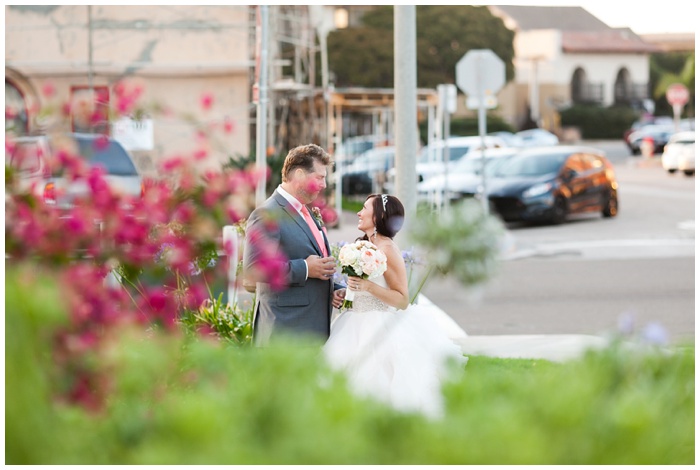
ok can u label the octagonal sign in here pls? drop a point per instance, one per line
(480, 72)
(677, 94)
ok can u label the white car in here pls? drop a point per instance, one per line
(537, 138)
(465, 178)
(431, 159)
(31, 157)
(679, 153)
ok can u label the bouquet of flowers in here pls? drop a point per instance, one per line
(362, 259)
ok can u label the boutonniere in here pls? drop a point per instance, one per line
(316, 212)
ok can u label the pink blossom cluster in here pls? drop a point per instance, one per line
(107, 248)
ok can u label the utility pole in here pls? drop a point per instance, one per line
(406, 121)
(261, 125)
(91, 85)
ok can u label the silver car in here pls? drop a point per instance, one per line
(120, 172)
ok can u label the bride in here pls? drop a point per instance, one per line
(389, 350)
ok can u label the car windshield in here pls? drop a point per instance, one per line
(111, 156)
(373, 160)
(26, 157)
(433, 154)
(470, 165)
(532, 165)
(473, 165)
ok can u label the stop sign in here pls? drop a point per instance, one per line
(677, 94)
(480, 72)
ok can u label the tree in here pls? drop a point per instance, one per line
(364, 56)
(667, 69)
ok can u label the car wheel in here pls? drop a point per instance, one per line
(610, 207)
(689, 172)
(559, 211)
(671, 170)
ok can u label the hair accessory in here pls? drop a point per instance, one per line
(384, 199)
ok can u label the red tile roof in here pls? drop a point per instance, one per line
(619, 41)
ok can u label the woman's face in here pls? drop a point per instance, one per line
(366, 215)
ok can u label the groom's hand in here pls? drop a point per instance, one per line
(338, 297)
(321, 268)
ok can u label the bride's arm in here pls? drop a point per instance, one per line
(396, 292)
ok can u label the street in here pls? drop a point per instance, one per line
(589, 274)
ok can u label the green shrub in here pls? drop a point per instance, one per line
(595, 122)
(179, 399)
(468, 126)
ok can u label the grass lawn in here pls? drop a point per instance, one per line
(175, 399)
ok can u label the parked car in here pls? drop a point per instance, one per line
(549, 183)
(658, 133)
(537, 138)
(367, 171)
(679, 153)
(430, 160)
(120, 171)
(646, 121)
(351, 147)
(28, 156)
(510, 138)
(465, 178)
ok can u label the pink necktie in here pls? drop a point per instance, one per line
(314, 230)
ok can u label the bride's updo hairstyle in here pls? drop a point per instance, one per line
(388, 214)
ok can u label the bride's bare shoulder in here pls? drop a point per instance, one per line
(389, 246)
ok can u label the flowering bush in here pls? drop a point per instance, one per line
(148, 260)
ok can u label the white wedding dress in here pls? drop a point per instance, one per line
(399, 357)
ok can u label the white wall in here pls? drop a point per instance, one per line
(557, 68)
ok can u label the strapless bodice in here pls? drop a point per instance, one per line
(365, 302)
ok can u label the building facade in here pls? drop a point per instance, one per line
(191, 63)
(566, 56)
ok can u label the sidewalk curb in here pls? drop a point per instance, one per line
(556, 348)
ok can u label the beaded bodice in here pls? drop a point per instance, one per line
(365, 302)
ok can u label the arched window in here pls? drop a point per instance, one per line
(578, 86)
(623, 87)
(16, 118)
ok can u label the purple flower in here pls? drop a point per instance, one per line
(626, 323)
(655, 334)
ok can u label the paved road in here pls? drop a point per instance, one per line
(587, 276)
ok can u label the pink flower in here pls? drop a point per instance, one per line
(206, 101)
(101, 143)
(228, 126)
(10, 112)
(200, 154)
(48, 90)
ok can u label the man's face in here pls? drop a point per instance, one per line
(309, 185)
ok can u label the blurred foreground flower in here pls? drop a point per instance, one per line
(462, 241)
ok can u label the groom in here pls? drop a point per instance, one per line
(283, 224)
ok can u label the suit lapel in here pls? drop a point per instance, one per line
(296, 216)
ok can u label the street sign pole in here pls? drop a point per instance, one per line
(480, 73)
(447, 97)
(677, 96)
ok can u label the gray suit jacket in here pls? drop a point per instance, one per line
(303, 306)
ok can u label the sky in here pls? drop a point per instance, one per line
(660, 16)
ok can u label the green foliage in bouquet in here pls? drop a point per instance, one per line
(178, 399)
(462, 241)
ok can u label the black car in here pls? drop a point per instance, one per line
(365, 174)
(658, 134)
(548, 183)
